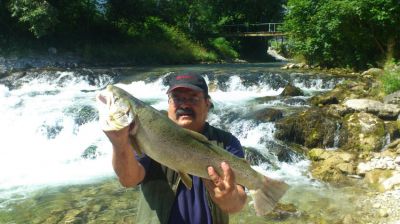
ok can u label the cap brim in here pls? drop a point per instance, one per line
(185, 86)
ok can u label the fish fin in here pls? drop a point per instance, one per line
(266, 197)
(135, 146)
(186, 179)
(132, 137)
(197, 135)
(135, 127)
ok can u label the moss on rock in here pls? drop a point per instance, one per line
(311, 128)
(362, 132)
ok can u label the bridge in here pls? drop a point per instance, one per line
(254, 30)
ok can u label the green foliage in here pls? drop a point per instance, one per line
(139, 30)
(343, 33)
(224, 48)
(391, 78)
(38, 15)
(157, 42)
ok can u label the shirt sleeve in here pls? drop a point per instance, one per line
(144, 160)
(235, 147)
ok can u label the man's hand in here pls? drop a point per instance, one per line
(119, 139)
(129, 171)
(224, 191)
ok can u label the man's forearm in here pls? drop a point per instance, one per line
(129, 171)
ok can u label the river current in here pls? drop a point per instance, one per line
(55, 161)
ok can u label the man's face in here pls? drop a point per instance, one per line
(188, 108)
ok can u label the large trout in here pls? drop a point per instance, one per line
(182, 150)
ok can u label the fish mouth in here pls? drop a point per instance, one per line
(115, 113)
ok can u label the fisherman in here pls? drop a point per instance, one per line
(164, 198)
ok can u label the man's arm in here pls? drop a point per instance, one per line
(224, 191)
(129, 171)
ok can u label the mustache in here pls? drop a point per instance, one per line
(182, 111)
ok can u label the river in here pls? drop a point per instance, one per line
(55, 161)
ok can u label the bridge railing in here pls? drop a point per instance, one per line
(253, 28)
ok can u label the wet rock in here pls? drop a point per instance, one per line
(283, 211)
(91, 152)
(265, 115)
(82, 114)
(265, 99)
(384, 111)
(318, 154)
(295, 101)
(347, 90)
(51, 131)
(393, 98)
(372, 72)
(332, 166)
(291, 90)
(324, 99)
(362, 132)
(394, 146)
(295, 66)
(346, 168)
(338, 110)
(255, 157)
(393, 129)
(310, 128)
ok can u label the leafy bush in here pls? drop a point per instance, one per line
(224, 48)
(391, 78)
(40, 16)
(343, 33)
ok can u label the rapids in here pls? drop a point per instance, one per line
(55, 161)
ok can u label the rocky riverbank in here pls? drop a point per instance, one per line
(352, 136)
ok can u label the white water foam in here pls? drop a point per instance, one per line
(42, 145)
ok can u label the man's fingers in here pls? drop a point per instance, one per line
(215, 178)
(228, 174)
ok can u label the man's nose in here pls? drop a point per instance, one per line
(185, 104)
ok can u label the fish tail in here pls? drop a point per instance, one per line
(266, 197)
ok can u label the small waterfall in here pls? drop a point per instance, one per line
(386, 142)
(50, 118)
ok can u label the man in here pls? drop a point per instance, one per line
(164, 198)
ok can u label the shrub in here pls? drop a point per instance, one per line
(224, 48)
(391, 77)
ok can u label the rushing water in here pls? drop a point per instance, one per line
(55, 161)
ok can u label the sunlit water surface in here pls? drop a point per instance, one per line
(55, 161)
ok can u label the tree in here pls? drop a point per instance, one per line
(343, 33)
(39, 16)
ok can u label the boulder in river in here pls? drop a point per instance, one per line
(265, 115)
(362, 132)
(349, 89)
(332, 166)
(311, 128)
(382, 110)
(291, 90)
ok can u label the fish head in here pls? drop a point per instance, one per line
(115, 109)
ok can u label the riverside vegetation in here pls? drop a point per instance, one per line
(346, 33)
(359, 117)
